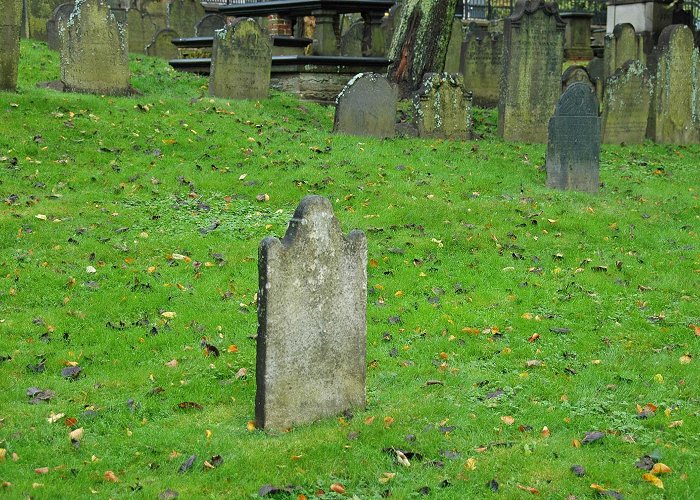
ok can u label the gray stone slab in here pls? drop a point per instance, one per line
(573, 149)
(60, 15)
(94, 51)
(622, 45)
(481, 66)
(10, 13)
(183, 16)
(241, 61)
(311, 320)
(626, 104)
(442, 107)
(161, 45)
(532, 61)
(209, 24)
(366, 107)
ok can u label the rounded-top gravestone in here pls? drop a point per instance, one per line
(366, 107)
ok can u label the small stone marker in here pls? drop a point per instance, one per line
(481, 66)
(532, 61)
(162, 46)
(442, 107)
(94, 52)
(10, 12)
(241, 62)
(366, 107)
(674, 116)
(59, 17)
(311, 320)
(573, 150)
(626, 104)
(209, 24)
(622, 45)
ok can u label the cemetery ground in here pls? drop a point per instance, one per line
(520, 340)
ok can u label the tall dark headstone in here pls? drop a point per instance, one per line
(10, 13)
(311, 320)
(531, 78)
(241, 61)
(366, 107)
(573, 149)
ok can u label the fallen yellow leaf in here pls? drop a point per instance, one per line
(660, 468)
(675, 423)
(77, 434)
(651, 478)
(471, 464)
(686, 359)
(250, 425)
(507, 419)
(386, 477)
(111, 477)
(338, 488)
(388, 421)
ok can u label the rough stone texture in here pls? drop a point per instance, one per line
(60, 15)
(319, 86)
(209, 24)
(442, 108)
(94, 54)
(577, 36)
(626, 104)
(674, 115)
(311, 320)
(161, 45)
(622, 45)
(366, 107)
(481, 66)
(573, 149)
(454, 47)
(241, 62)
(351, 41)
(420, 41)
(573, 74)
(10, 13)
(596, 68)
(183, 16)
(531, 79)
(141, 30)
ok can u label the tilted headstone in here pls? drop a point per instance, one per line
(532, 61)
(366, 107)
(141, 30)
(94, 51)
(596, 69)
(454, 47)
(183, 16)
(209, 24)
(311, 320)
(241, 61)
(60, 16)
(481, 66)
(573, 149)
(622, 45)
(442, 107)
(626, 104)
(10, 14)
(674, 115)
(162, 46)
(574, 74)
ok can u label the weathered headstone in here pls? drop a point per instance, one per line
(162, 46)
(626, 104)
(575, 73)
(10, 13)
(94, 51)
(674, 115)
(351, 41)
(419, 45)
(454, 47)
(573, 149)
(532, 61)
(311, 320)
(60, 16)
(481, 66)
(183, 15)
(442, 107)
(622, 45)
(209, 24)
(141, 30)
(241, 61)
(366, 107)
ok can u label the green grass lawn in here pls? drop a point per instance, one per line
(505, 320)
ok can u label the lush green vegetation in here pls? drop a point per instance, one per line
(505, 320)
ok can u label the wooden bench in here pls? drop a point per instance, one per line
(326, 37)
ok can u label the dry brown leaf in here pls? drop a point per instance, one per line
(576, 443)
(42, 470)
(369, 420)
(507, 419)
(386, 477)
(111, 477)
(388, 421)
(401, 458)
(172, 363)
(77, 434)
(338, 488)
(651, 478)
(675, 423)
(529, 489)
(3, 453)
(545, 431)
(685, 359)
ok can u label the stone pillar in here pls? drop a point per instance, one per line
(279, 25)
(577, 35)
(10, 12)
(325, 38)
(373, 41)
